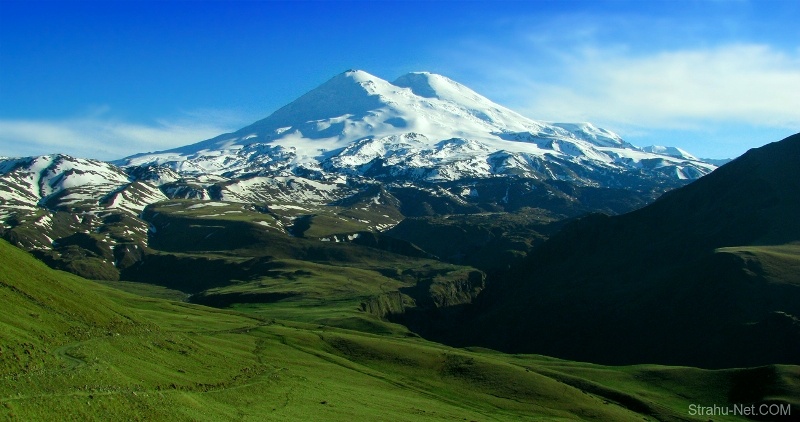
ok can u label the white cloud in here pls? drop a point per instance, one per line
(101, 137)
(715, 100)
(743, 83)
(719, 78)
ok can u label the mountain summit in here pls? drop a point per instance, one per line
(419, 146)
(422, 126)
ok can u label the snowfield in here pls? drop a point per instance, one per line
(422, 126)
(354, 131)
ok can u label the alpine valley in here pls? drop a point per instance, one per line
(303, 266)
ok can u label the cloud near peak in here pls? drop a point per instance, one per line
(741, 83)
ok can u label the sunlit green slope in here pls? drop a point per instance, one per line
(72, 349)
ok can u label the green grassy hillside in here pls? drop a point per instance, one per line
(353, 280)
(73, 349)
(776, 264)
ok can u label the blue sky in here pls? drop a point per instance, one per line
(106, 79)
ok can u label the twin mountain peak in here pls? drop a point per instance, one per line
(352, 132)
(421, 127)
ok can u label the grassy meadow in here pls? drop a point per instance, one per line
(75, 349)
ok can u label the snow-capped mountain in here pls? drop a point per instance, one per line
(424, 127)
(357, 153)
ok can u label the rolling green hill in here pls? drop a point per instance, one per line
(73, 349)
(705, 276)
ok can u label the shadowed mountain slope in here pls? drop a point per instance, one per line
(707, 275)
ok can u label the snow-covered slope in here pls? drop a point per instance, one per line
(56, 182)
(422, 126)
(62, 183)
(54, 196)
(669, 151)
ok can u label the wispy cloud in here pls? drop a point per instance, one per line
(641, 75)
(100, 136)
(745, 83)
